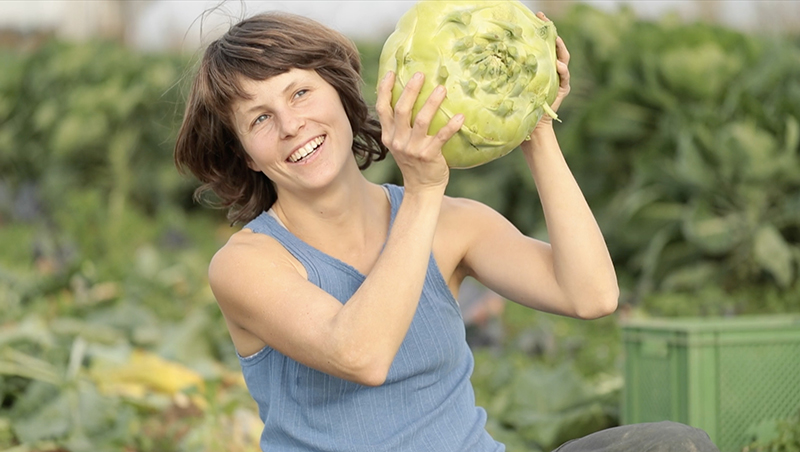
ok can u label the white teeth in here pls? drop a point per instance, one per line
(304, 151)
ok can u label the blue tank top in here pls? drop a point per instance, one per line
(427, 402)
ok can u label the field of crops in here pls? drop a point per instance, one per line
(684, 138)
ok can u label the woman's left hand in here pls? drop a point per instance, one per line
(562, 67)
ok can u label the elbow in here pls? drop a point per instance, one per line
(376, 377)
(599, 305)
(364, 369)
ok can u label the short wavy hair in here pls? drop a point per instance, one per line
(258, 48)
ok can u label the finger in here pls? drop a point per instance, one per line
(563, 87)
(383, 106)
(428, 111)
(554, 106)
(561, 50)
(563, 74)
(449, 129)
(405, 104)
(541, 15)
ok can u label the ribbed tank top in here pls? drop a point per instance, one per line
(427, 402)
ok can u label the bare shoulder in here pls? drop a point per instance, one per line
(241, 271)
(246, 239)
(476, 234)
(246, 249)
(462, 224)
(468, 217)
(249, 276)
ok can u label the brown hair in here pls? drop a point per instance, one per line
(258, 48)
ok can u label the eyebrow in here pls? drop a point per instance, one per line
(290, 87)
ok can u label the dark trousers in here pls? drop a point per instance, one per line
(663, 436)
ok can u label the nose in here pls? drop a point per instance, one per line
(291, 122)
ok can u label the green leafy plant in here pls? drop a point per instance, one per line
(531, 406)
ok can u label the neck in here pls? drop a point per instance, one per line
(345, 213)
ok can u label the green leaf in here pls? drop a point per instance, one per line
(651, 257)
(76, 411)
(53, 420)
(90, 331)
(792, 141)
(765, 431)
(702, 71)
(712, 233)
(614, 119)
(6, 434)
(188, 342)
(690, 166)
(774, 255)
(690, 277)
(550, 406)
(75, 134)
(30, 329)
(748, 151)
(13, 362)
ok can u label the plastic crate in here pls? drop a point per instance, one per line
(724, 376)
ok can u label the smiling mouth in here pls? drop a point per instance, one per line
(307, 150)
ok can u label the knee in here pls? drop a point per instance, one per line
(674, 436)
(665, 436)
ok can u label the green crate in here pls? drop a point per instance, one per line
(724, 376)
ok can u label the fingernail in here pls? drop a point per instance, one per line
(418, 76)
(439, 90)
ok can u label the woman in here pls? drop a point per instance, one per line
(340, 294)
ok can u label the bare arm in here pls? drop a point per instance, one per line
(261, 291)
(574, 274)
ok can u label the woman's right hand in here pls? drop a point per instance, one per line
(418, 155)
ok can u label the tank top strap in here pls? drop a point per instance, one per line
(395, 194)
(309, 256)
(268, 225)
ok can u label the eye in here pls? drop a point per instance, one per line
(261, 119)
(300, 93)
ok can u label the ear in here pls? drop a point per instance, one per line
(251, 164)
(247, 160)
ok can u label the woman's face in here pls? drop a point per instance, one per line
(294, 129)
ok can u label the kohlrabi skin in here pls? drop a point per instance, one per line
(497, 61)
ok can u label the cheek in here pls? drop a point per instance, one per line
(345, 124)
(256, 147)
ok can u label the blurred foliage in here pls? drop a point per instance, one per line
(550, 379)
(684, 139)
(110, 337)
(781, 435)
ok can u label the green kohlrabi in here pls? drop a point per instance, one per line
(497, 61)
